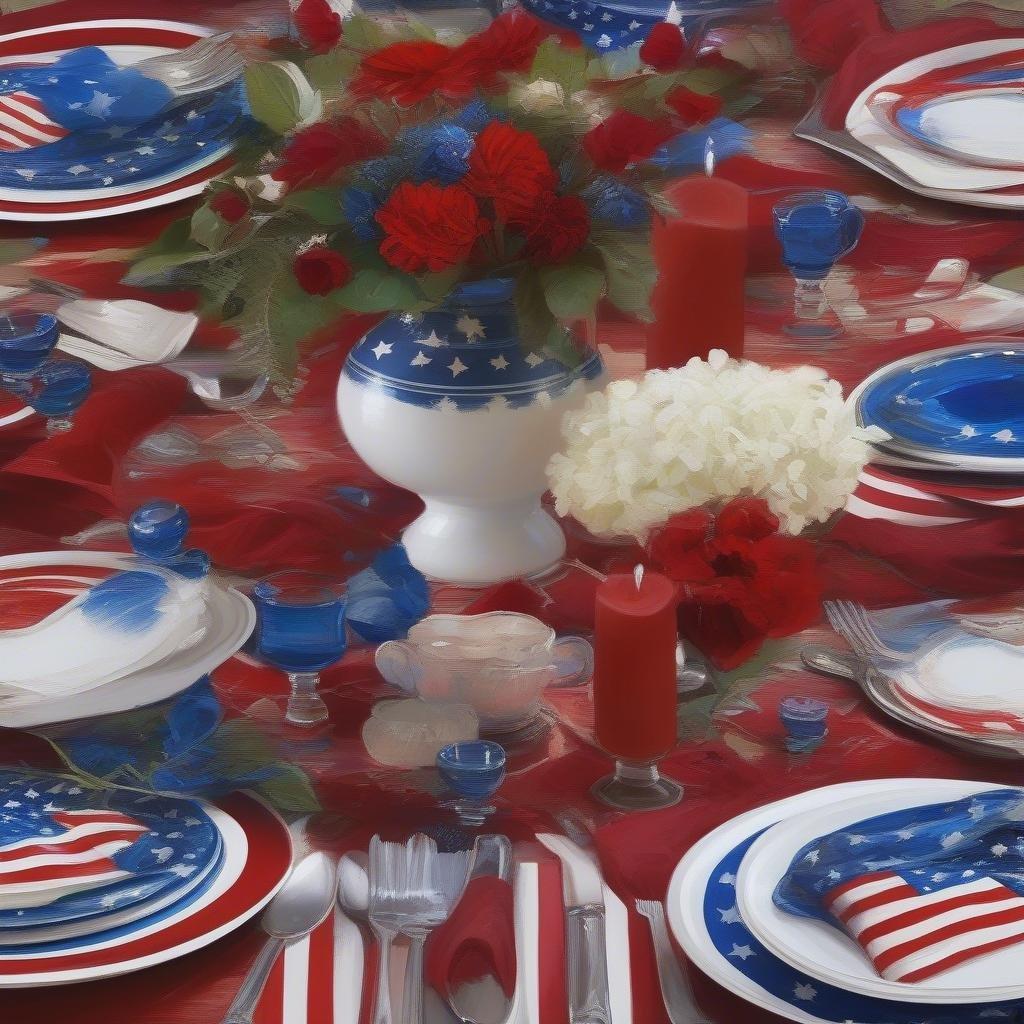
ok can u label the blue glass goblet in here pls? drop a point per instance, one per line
(473, 771)
(301, 629)
(57, 390)
(816, 229)
(26, 341)
(157, 531)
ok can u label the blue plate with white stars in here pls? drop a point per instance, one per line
(68, 853)
(960, 407)
(705, 918)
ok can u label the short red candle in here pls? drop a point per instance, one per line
(702, 260)
(635, 666)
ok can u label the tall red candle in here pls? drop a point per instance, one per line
(702, 261)
(635, 666)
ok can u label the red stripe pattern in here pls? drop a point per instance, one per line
(24, 123)
(911, 934)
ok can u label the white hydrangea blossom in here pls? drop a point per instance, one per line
(639, 452)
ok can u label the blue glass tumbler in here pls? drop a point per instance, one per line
(815, 229)
(157, 531)
(473, 770)
(57, 390)
(804, 719)
(26, 341)
(300, 624)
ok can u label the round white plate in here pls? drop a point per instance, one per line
(705, 921)
(231, 617)
(824, 951)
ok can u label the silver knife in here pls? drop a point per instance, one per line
(586, 952)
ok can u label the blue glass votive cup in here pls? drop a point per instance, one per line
(804, 719)
(300, 628)
(26, 341)
(157, 530)
(473, 770)
(815, 230)
(57, 390)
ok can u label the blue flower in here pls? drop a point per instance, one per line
(617, 204)
(387, 598)
(474, 117)
(383, 172)
(360, 207)
(442, 154)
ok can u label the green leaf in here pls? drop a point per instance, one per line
(172, 249)
(274, 96)
(208, 228)
(554, 63)
(323, 205)
(695, 718)
(1011, 279)
(436, 286)
(364, 33)
(375, 291)
(572, 290)
(289, 790)
(330, 73)
(630, 270)
(538, 328)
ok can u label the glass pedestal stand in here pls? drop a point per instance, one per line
(637, 786)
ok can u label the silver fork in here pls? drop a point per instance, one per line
(851, 620)
(206, 64)
(387, 881)
(676, 993)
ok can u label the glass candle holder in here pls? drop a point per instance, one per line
(57, 390)
(804, 720)
(26, 341)
(157, 532)
(815, 229)
(473, 771)
(301, 629)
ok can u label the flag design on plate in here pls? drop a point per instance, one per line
(70, 851)
(913, 930)
(24, 123)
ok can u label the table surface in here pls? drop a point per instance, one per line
(261, 517)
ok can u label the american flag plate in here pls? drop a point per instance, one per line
(255, 858)
(908, 918)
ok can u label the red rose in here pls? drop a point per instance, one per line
(509, 167)
(826, 31)
(740, 580)
(664, 47)
(429, 227)
(624, 138)
(229, 205)
(555, 229)
(318, 25)
(316, 154)
(412, 71)
(320, 270)
(691, 107)
(508, 44)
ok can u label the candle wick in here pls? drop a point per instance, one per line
(638, 576)
(709, 157)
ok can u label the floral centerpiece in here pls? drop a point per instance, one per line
(396, 164)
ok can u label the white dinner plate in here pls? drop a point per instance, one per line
(826, 952)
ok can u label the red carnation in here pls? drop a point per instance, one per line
(555, 229)
(429, 227)
(412, 71)
(508, 44)
(229, 205)
(624, 138)
(320, 270)
(318, 25)
(316, 154)
(664, 47)
(825, 33)
(509, 167)
(691, 107)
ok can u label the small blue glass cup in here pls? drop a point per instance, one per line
(815, 230)
(804, 720)
(57, 390)
(473, 771)
(157, 531)
(300, 628)
(26, 341)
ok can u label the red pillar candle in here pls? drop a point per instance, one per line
(702, 260)
(635, 666)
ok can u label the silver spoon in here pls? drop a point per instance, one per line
(304, 901)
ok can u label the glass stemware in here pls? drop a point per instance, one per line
(473, 771)
(57, 390)
(815, 229)
(26, 341)
(301, 629)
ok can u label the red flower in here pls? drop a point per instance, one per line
(509, 167)
(624, 138)
(741, 581)
(508, 44)
(318, 153)
(555, 229)
(320, 270)
(412, 71)
(664, 47)
(429, 227)
(826, 31)
(691, 107)
(318, 25)
(229, 205)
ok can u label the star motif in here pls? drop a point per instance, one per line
(976, 812)
(470, 327)
(634, 25)
(951, 840)
(26, 174)
(730, 915)
(145, 150)
(13, 803)
(834, 875)
(727, 879)
(108, 181)
(905, 833)
(1006, 436)
(999, 849)
(31, 794)
(533, 360)
(116, 132)
(499, 363)
(742, 952)
(498, 402)
(182, 870)
(100, 104)
(812, 857)
(419, 360)
(604, 40)
(382, 349)
(433, 341)
(804, 991)
(446, 405)
(189, 822)
(606, 16)
(857, 840)
(457, 367)
(588, 26)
